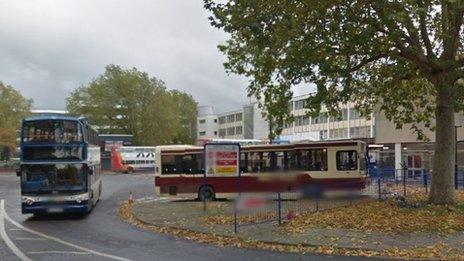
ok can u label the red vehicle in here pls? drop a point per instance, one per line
(179, 169)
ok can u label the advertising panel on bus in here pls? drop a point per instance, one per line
(222, 159)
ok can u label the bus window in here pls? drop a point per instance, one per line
(200, 168)
(312, 160)
(244, 162)
(189, 164)
(254, 162)
(169, 165)
(347, 160)
(279, 161)
(292, 160)
(266, 161)
(61, 131)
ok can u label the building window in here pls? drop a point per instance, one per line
(301, 120)
(215, 120)
(347, 160)
(322, 118)
(290, 106)
(222, 133)
(202, 133)
(360, 132)
(230, 131)
(222, 120)
(215, 133)
(339, 133)
(238, 130)
(354, 114)
(230, 118)
(343, 116)
(299, 105)
(238, 117)
(202, 121)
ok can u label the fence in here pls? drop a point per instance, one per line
(258, 208)
(252, 209)
(406, 180)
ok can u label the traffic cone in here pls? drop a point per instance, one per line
(131, 198)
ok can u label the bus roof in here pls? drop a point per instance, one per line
(59, 116)
(265, 147)
(53, 116)
(178, 147)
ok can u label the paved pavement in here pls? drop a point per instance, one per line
(103, 235)
(190, 215)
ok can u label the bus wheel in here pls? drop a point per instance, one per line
(206, 193)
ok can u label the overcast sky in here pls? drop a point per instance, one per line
(50, 47)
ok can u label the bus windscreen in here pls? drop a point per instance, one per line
(58, 177)
(53, 153)
(60, 131)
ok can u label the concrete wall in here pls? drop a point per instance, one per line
(386, 132)
(260, 125)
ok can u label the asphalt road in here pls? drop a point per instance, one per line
(102, 235)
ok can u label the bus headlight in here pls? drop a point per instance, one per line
(78, 198)
(28, 200)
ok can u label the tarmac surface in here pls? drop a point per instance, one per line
(102, 235)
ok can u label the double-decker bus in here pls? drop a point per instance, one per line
(179, 169)
(59, 165)
(129, 159)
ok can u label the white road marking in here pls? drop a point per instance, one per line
(58, 252)
(30, 238)
(90, 251)
(5, 237)
(14, 229)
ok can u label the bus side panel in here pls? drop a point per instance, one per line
(175, 184)
(232, 184)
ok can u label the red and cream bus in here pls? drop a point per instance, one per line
(179, 169)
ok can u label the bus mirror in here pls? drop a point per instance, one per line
(89, 170)
(18, 172)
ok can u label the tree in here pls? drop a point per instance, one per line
(128, 101)
(187, 113)
(13, 108)
(401, 57)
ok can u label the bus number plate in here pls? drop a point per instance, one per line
(55, 210)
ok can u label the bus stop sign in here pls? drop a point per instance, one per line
(222, 159)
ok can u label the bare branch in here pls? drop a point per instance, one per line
(423, 30)
(366, 61)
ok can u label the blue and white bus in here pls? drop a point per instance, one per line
(60, 165)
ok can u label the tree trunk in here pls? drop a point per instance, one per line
(442, 186)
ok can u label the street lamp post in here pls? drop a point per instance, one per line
(456, 156)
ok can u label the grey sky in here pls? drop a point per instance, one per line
(50, 47)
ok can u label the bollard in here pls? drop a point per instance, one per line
(131, 198)
(379, 189)
(279, 207)
(235, 218)
(426, 183)
(456, 184)
(404, 183)
(317, 204)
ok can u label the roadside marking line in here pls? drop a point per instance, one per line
(30, 238)
(5, 237)
(58, 252)
(14, 229)
(2, 210)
